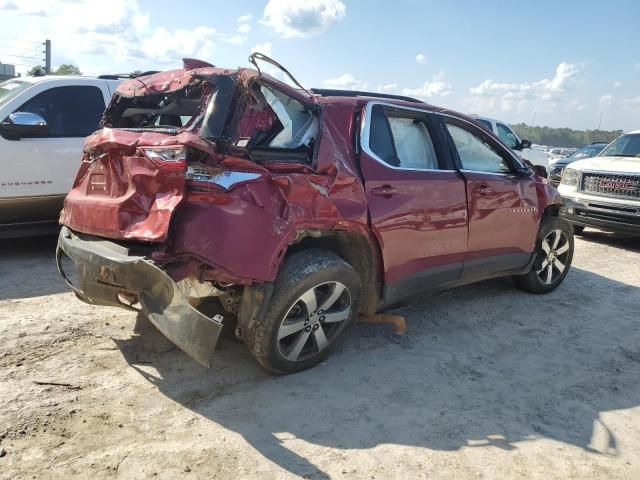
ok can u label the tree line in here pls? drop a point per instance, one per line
(564, 137)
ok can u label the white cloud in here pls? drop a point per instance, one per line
(542, 95)
(234, 39)
(294, 18)
(165, 46)
(437, 87)
(264, 48)
(244, 28)
(106, 33)
(387, 88)
(421, 58)
(346, 82)
(617, 84)
(606, 100)
(245, 18)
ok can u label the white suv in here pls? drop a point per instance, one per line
(511, 140)
(604, 191)
(43, 121)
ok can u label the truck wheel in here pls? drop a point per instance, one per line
(315, 299)
(554, 248)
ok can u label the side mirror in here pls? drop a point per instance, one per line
(525, 144)
(541, 170)
(24, 125)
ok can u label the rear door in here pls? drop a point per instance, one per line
(503, 213)
(417, 201)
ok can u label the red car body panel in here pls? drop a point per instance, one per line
(422, 224)
(240, 235)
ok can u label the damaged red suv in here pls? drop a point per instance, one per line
(293, 211)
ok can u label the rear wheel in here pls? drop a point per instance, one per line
(315, 299)
(554, 249)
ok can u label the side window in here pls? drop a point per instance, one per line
(507, 136)
(476, 154)
(485, 124)
(401, 141)
(68, 111)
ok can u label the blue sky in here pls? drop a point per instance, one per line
(555, 63)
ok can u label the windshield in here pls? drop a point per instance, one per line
(586, 152)
(11, 88)
(625, 146)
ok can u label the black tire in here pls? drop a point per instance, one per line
(578, 229)
(323, 273)
(537, 280)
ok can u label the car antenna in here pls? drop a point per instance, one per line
(259, 56)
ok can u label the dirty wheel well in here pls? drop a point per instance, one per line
(551, 211)
(359, 252)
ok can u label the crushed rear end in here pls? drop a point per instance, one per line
(194, 188)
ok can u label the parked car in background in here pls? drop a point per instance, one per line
(43, 122)
(556, 153)
(294, 210)
(604, 191)
(557, 166)
(511, 140)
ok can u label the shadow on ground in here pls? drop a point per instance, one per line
(480, 365)
(628, 242)
(22, 259)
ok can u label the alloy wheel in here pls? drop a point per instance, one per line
(555, 251)
(314, 321)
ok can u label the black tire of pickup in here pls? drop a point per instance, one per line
(301, 273)
(532, 281)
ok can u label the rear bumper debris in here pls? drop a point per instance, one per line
(101, 272)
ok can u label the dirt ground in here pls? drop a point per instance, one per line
(488, 382)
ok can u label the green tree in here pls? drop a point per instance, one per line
(564, 137)
(36, 71)
(67, 69)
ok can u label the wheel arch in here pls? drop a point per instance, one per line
(360, 251)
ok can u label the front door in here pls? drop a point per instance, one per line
(503, 213)
(417, 201)
(38, 172)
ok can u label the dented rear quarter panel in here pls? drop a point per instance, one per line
(246, 231)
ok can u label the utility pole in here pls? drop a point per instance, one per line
(47, 57)
(600, 122)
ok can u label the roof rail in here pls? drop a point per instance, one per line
(328, 92)
(118, 76)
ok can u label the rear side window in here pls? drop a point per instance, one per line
(380, 139)
(401, 141)
(69, 111)
(475, 153)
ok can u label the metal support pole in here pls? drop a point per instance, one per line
(47, 57)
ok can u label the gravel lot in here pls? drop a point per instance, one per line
(488, 382)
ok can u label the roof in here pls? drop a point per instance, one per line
(66, 78)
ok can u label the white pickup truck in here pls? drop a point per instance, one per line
(511, 140)
(43, 122)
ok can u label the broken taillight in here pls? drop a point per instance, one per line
(174, 157)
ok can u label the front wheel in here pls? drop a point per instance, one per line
(554, 253)
(315, 299)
